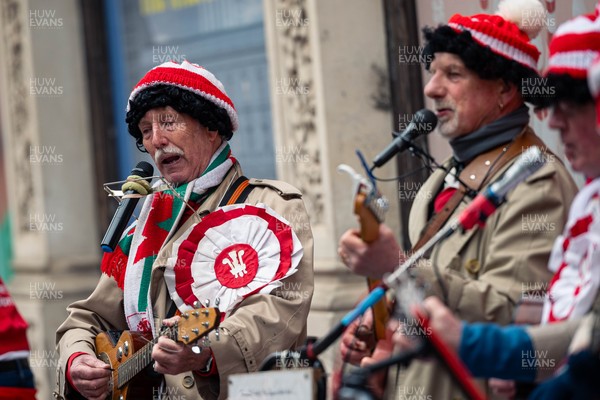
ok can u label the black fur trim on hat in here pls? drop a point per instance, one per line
(563, 87)
(183, 101)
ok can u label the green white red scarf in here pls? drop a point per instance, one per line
(131, 263)
(234, 252)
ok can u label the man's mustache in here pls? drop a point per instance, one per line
(170, 149)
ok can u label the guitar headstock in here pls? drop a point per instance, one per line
(195, 324)
(369, 204)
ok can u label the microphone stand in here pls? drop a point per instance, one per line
(467, 219)
(427, 159)
(312, 350)
(297, 359)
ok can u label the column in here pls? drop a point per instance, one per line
(330, 97)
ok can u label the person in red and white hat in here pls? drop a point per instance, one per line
(594, 85)
(482, 74)
(205, 235)
(572, 305)
(16, 378)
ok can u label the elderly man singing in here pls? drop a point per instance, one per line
(480, 69)
(205, 234)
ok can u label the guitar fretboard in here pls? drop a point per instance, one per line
(138, 361)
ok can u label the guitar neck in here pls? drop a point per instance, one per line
(371, 212)
(138, 361)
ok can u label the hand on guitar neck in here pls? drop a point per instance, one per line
(372, 250)
(361, 250)
(374, 259)
(119, 372)
(173, 358)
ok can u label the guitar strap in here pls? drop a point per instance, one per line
(237, 192)
(477, 174)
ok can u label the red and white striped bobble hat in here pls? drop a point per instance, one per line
(190, 77)
(594, 85)
(575, 45)
(509, 32)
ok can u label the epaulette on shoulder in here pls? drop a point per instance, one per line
(284, 189)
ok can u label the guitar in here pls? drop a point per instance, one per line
(131, 352)
(370, 206)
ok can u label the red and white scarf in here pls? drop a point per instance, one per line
(575, 259)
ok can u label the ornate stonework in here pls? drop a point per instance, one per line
(19, 111)
(295, 81)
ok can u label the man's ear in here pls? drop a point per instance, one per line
(213, 135)
(508, 91)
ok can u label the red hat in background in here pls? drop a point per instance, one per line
(509, 32)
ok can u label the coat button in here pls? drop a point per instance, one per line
(188, 382)
(473, 266)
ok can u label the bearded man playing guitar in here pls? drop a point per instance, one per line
(204, 234)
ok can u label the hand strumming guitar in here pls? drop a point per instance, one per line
(90, 377)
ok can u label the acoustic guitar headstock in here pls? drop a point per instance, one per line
(195, 324)
(369, 204)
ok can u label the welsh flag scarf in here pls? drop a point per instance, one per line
(159, 219)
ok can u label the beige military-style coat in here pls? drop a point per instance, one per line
(259, 326)
(486, 271)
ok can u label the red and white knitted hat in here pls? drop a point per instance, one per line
(594, 85)
(509, 32)
(574, 46)
(190, 77)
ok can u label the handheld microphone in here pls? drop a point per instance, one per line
(124, 211)
(495, 194)
(424, 121)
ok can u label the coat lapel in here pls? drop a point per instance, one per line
(419, 216)
(419, 213)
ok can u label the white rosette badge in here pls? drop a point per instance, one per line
(234, 252)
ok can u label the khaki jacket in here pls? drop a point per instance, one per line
(260, 325)
(486, 271)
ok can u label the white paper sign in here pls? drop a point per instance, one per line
(292, 384)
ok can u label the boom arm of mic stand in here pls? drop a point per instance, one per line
(418, 151)
(312, 350)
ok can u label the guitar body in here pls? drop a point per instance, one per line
(115, 351)
(129, 354)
